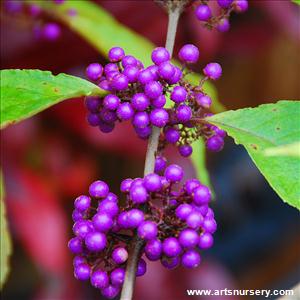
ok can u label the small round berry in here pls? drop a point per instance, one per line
(215, 143)
(123, 220)
(92, 104)
(210, 213)
(201, 195)
(185, 150)
(111, 102)
(105, 85)
(172, 135)
(110, 292)
(82, 203)
(109, 207)
(51, 31)
(145, 76)
(95, 241)
(153, 89)
(111, 197)
(75, 245)
(166, 70)
(99, 279)
(191, 259)
(202, 209)
(153, 249)
(189, 54)
(159, 102)
(120, 82)
(138, 194)
(203, 12)
(102, 222)
(154, 70)
(108, 116)
(78, 260)
(152, 182)
(171, 247)
(176, 77)
(77, 215)
(179, 94)
(117, 277)
(106, 128)
(174, 173)
(111, 68)
(125, 185)
(140, 102)
(138, 182)
(141, 119)
(131, 73)
(147, 230)
(82, 227)
(160, 55)
(194, 220)
(183, 113)
(190, 185)
(206, 240)
(135, 217)
(223, 25)
(116, 54)
(160, 163)
(204, 101)
(94, 71)
(159, 117)
(213, 71)
(183, 211)
(82, 272)
(209, 225)
(143, 133)
(170, 262)
(221, 133)
(141, 268)
(99, 189)
(224, 3)
(119, 255)
(188, 238)
(128, 60)
(240, 6)
(125, 111)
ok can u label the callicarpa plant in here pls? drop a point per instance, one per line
(163, 217)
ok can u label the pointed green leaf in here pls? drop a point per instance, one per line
(284, 150)
(263, 127)
(24, 93)
(5, 240)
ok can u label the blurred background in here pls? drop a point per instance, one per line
(51, 158)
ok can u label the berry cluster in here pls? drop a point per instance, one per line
(174, 221)
(139, 94)
(221, 21)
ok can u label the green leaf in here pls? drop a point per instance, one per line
(24, 93)
(103, 31)
(263, 127)
(285, 150)
(296, 1)
(5, 240)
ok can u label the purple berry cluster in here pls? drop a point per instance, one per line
(139, 94)
(204, 13)
(172, 219)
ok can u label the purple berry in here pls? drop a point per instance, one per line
(172, 135)
(189, 54)
(209, 225)
(159, 117)
(75, 245)
(82, 203)
(99, 189)
(120, 82)
(145, 76)
(106, 128)
(176, 77)
(179, 94)
(125, 185)
(166, 70)
(143, 133)
(152, 182)
(203, 12)
(240, 6)
(170, 262)
(159, 102)
(109, 207)
(160, 163)
(140, 102)
(171, 247)
(78, 260)
(138, 194)
(223, 25)
(95, 241)
(147, 230)
(102, 221)
(92, 104)
(204, 101)
(153, 89)
(141, 119)
(153, 249)
(194, 220)
(185, 150)
(154, 70)
(93, 119)
(201, 195)
(141, 268)
(111, 68)
(111, 102)
(129, 60)
(110, 292)
(108, 116)
(134, 217)
(99, 279)
(117, 277)
(111, 197)
(34, 10)
(123, 220)
(174, 173)
(183, 113)
(77, 215)
(188, 238)
(213, 71)
(51, 31)
(224, 3)
(82, 227)
(125, 111)
(183, 211)
(206, 240)
(116, 54)
(119, 255)
(160, 55)
(94, 71)
(191, 259)
(191, 184)
(131, 73)
(82, 272)
(215, 143)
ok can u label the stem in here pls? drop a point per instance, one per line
(137, 244)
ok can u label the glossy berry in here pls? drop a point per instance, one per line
(201, 195)
(183, 211)
(160, 163)
(185, 150)
(99, 189)
(160, 55)
(179, 94)
(223, 25)
(123, 220)
(99, 279)
(240, 6)
(183, 113)
(94, 71)
(111, 197)
(191, 259)
(213, 71)
(102, 221)
(141, 119)
(82, 203)
(176, 77)
(147, 230)
(116, 54)
(75, 245)
(138, 194)
(140, 102)
(125, 185)
(203, 12)
(174, 173)
(166, 70)
(78, 260)
(120, 82)
(171, 247)
(170, 262)
(145, 76)
(129, 60)
(191, 184)
(209, 225)
(111, 102)
(153, 89)
(188, 238)
(206, 240)
(224, 3)
(125, 111)
(117, 277)
(82, 272)
(131, 73)
(172, 135)
(82, 227)
(92, 104)
(159, 117)
(134, 217)
(194, 220)
(109, 207)
(153, 249)
(215, 143)
(159, 102)
(141, 268)
(152, 182)
(95, 241)
(51, 31)
(110, 292)
(204, 101)
(189, 54)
